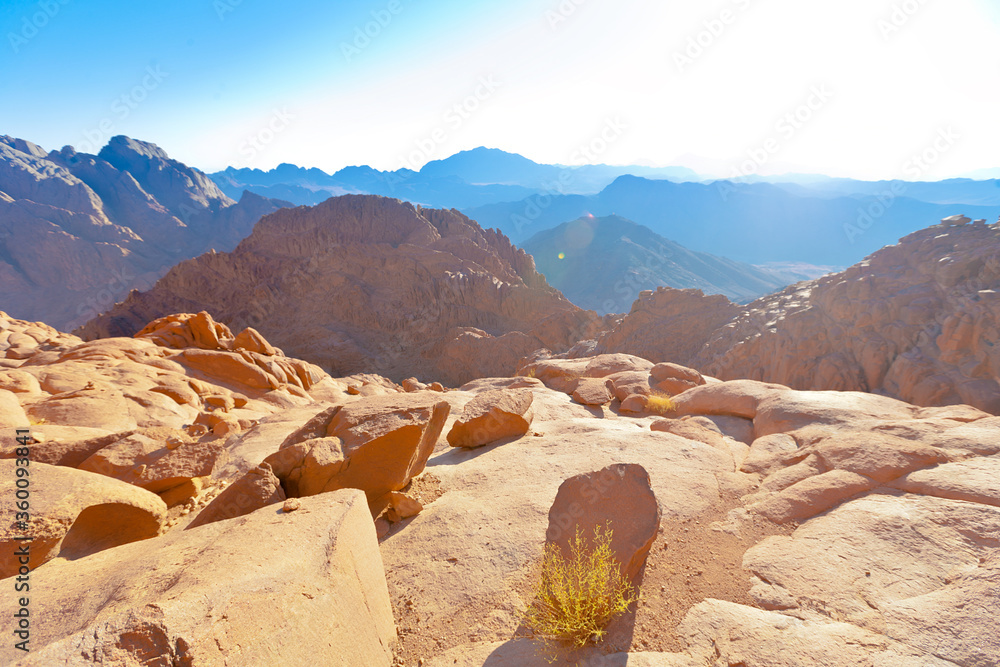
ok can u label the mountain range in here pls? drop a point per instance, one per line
(603, 263)
(467, 179)
(79, 231)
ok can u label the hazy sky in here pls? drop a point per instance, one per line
(855, 87)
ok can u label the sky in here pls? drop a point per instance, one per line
(869, 89)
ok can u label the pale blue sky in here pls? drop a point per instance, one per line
(255, 83)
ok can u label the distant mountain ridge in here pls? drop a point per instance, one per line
(603, 263)
(79, 231)
(468, 178)
(754, 223)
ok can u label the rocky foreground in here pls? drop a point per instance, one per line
(199, 498)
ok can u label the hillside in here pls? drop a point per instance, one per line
(603, 263)
(79, 231)
(367, 284)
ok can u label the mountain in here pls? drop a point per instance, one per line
(603, 263)
(467, 179)
(79, 231)
(362, 283)
(754, 223)
(948, 191)
(916, 321)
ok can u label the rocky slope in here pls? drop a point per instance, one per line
(763, 525)
(364, 283)
(603, 263)
(79, 231)
(916, 321)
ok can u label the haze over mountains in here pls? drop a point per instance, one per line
(602, 263)
(795, 218)
(469, 178)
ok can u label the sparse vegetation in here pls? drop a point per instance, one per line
(578, 596)
(660, 403)
(37, 421)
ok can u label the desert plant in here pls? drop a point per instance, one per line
(660, 403)
(578, 596)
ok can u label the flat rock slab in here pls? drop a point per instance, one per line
(270, 588)
(618, 497)
(493, 415)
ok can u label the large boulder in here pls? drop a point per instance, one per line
(493, 415)
(269, 588)
(73, 514)
(254, 490)
(618, 498)
(153, 464)
(377, 444)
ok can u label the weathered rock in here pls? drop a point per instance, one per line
(976, 480)
(635, 403)
(592, 391)
(270, 588)
(256, 489)
(87, 229)
(74, 514)
(11, 412)
(402, 507)
(865, 328)
(151, 464)
(460, 302)
(619, 498)
(626, 383)
(492, 415)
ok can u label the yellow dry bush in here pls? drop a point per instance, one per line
(578, 596)
(660, 403)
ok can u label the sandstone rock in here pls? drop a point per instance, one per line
(183, 492)
(769, 452)
(102, 407)
(668, 325)
(454, 286)
(636, 403)
(618, 497)
(720, 632)
(690, 430)
(376, 444)
(268, 588)
(626, 383)
(413, 384)
(143, 461)
(11, 412)
(491, 416)
(903, 566)
(813, 495)
(61, 445)
(592, 391)
(74, 514)
(256, 489)
(976, 480)
(402, 507)
(863, 329)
